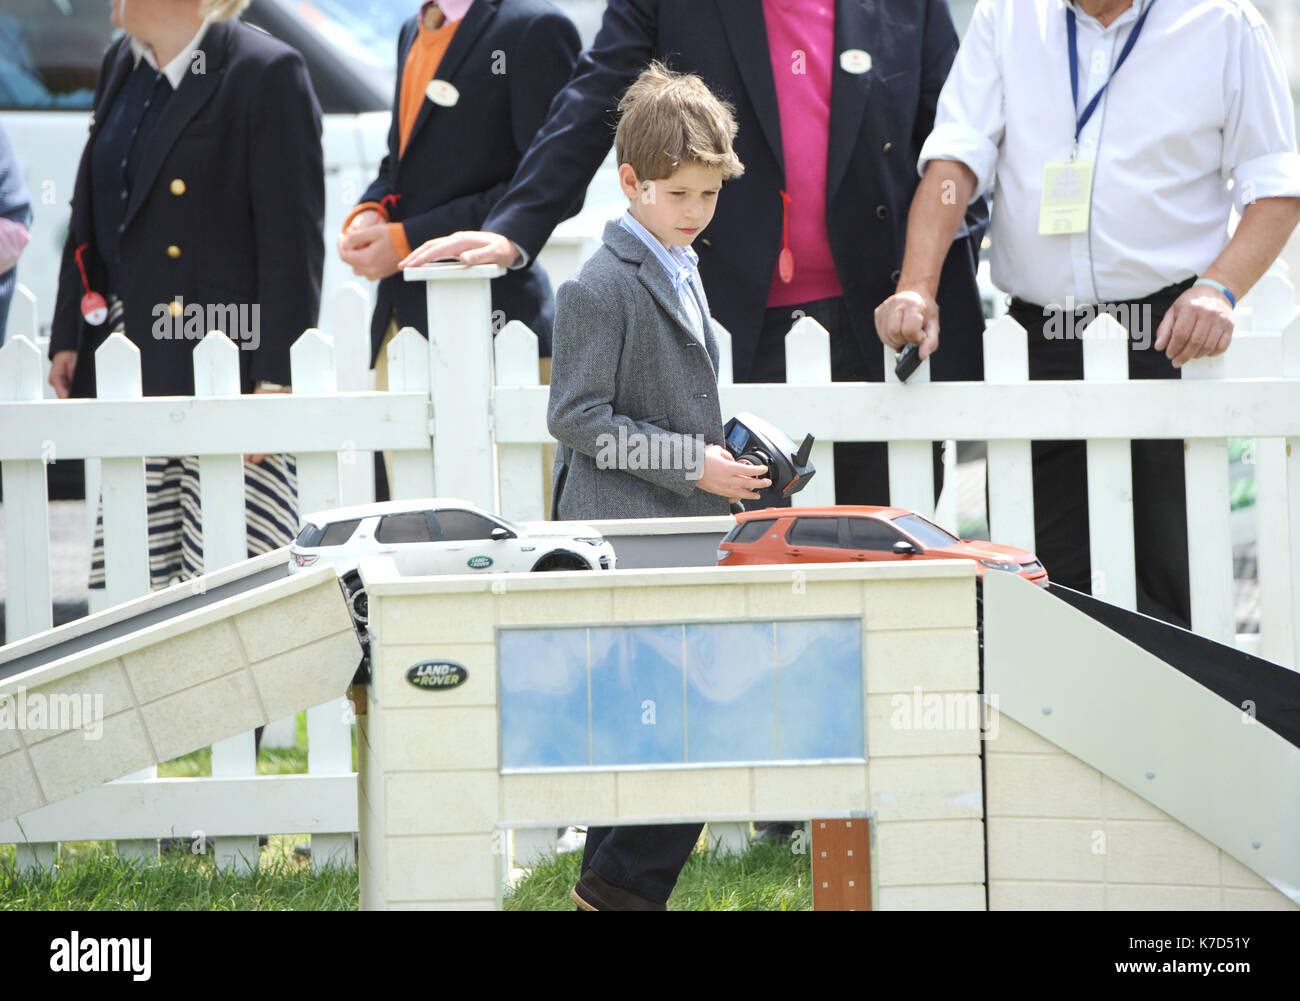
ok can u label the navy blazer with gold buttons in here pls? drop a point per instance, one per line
(227, 211)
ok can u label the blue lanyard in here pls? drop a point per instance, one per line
(1072, 29)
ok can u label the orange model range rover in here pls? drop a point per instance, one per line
(846, 533)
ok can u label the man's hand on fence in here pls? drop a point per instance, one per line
(909, 316)
(467, 247)
(1199, 323)
(62, 367)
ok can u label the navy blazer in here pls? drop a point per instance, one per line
(878, 122)
(507, 60)
(228, 209)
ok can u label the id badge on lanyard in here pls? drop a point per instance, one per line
(1067, 184)
(1067, 197)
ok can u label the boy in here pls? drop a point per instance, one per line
(634, 376)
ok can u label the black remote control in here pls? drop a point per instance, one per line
(909, 360)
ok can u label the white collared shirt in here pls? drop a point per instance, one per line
(175, 70)
(679, 262)
(1201, 101)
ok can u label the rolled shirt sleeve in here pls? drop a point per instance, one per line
(971, 117)
(1259, 143)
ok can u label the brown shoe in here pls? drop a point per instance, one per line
(593, 894)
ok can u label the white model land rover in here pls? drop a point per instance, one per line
(441, 535)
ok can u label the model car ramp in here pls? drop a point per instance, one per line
(173, 671)
(1202, 732)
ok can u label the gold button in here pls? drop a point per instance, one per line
(173, 251)
(174, 308)
(178, 187)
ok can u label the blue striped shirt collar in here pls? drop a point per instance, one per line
(679, 262)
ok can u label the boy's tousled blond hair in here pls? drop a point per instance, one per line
(669, 120)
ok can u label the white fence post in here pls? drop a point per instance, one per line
(808, 363)
(521, 465)
(1272, 303)
(311, 361)
(1009, 468)
(350, 330)
(1291, 369)
(29, 605)
(408, 372)
(1275, 499)
(221, 490)
(329, 735)
(460, 375)
(1110, 475)
(126, 526)
(1209, 528)
(911, 463)
(329, 752)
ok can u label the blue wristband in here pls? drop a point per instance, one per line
(1217, 285)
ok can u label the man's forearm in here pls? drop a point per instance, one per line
(938, 209)
(1265, 227)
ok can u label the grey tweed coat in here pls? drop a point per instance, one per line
(634, 394)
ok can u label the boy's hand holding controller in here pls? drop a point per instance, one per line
(728, 478)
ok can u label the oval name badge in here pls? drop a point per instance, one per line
(855, 61)
(435, 675)
(442, 93)
(480, 562)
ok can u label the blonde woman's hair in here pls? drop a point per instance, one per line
(222, 10)
(669, 120)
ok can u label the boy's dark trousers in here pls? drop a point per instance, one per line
(643, 859)
(1061, 467)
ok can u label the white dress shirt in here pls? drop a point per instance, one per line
(680, 263)
(175, 70)
(1201, 101)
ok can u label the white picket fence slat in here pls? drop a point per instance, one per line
(28, 609)
(911, 463)
(1009, 469)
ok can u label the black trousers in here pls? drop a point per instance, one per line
(645, 859)
(1061, 467)
(861, 468)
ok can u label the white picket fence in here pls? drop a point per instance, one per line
(456, 430)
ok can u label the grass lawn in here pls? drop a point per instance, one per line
(90, 876)
(766, 878)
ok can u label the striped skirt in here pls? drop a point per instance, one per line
(176, 517)
(176, 521)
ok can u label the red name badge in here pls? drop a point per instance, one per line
(93, 306)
